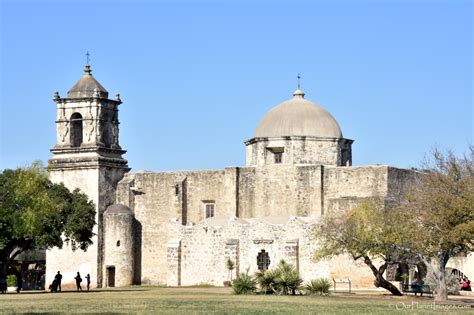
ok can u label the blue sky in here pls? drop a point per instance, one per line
(196, 77)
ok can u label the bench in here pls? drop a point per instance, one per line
(346, 281)
(423, 289)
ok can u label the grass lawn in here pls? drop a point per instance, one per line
(153, 300)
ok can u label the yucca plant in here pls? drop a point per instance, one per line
(266, 280)
(244, 284)
(287, 278)
(319, 286)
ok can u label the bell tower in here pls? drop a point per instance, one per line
(88, 156)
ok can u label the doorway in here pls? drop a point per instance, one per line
(111, 276)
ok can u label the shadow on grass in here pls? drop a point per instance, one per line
(51, 313)
(74, 291)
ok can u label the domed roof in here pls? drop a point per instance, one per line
(87, 86)
(118, 209)
(298, 117)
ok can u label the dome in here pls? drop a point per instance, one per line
(87, 86)
(118, 209)
(298, 117)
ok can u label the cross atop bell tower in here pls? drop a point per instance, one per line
(88, 156)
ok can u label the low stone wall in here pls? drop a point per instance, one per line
(200, 254)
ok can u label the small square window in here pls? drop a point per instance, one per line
(278, 156)
(209, 210)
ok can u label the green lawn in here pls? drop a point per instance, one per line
(152, 300)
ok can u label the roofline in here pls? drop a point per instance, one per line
(79, 99)
(310, 138)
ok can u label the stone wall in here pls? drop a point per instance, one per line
(344, 187)
(118, 249)
(299, 150)
(66, 260)
(205, 248)
(99, 121)
(280, 190)
(256, 196)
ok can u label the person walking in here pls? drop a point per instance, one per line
(78, 282)
(58, 278)
(88, 278)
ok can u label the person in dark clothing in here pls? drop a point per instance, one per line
(19, 283)
(3, 283)
(78, 281)
(54, 286)
(88, 278)
(58, 278)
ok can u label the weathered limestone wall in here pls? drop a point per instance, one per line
(66, 260)
(156, 198)
(99, 121)
(206, 246)
(119, 249)
(299, 150)
(172, 252)
(344, 187)
(280, 190)
(99, 184)
(463, 263)
(399, 181)
(211, 242)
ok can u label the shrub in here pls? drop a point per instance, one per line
(319, 286)
(288, 279)
(266, 281)
(244, 284)
(284, 279)
(11, 280)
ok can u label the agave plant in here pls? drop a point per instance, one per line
(244, 284)
(287, 279)
(319, 286)
(266, 280)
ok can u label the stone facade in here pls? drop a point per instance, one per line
(87, 156)
(273, 208)
(299, 150)
(180, 228)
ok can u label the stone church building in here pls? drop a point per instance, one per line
(180, 228)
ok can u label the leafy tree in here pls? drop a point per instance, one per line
(431, 224)
(37, 214)
(440, 208)
(371, 233)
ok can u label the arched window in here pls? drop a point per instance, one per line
(76, 130)
(263, 260)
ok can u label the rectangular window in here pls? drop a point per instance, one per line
(278, 157)
(277, 153)
(209, 210)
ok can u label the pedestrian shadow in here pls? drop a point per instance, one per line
(74, 291)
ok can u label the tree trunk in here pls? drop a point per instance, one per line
(437, 267)
(441, 293)
(380, 281)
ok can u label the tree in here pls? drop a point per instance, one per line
(37, 214)
(230, 265)
(440, 208)
(369, 233)
(432, 223)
